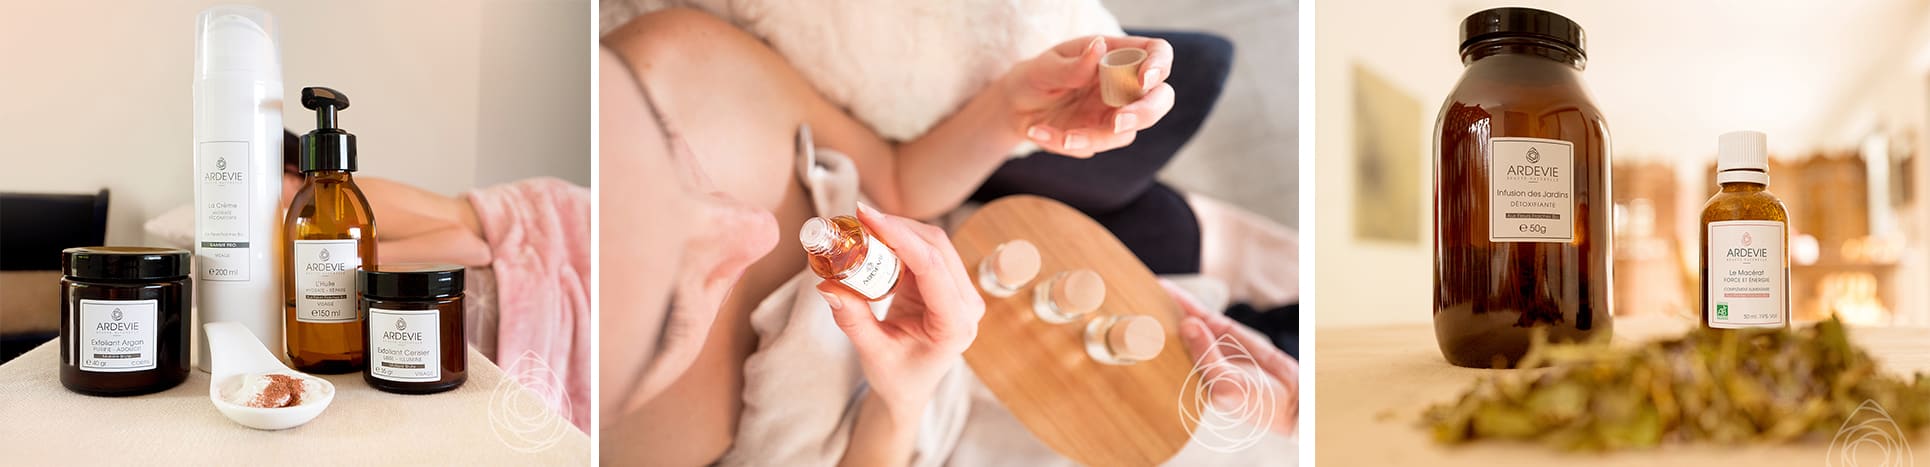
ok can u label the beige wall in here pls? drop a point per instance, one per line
(1367, 282)
(1812, 75)
(448, 95)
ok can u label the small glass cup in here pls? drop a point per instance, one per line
(1010, 266)
(1068, 295)
(1124, 339)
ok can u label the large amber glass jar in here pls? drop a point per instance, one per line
(1521, 193)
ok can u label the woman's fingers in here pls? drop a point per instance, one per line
(1269, 358)
(1212, 364)
(1071, 64)
(1198, 340)
(1102, 128)
(1158, 64)
(960, 278)
(896, 232)
(1143, 113)
(955, 322)
(853, 315)
(1187, 304)
(940, 276)
(1093, 141)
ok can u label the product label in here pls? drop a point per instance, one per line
(1748, 274)
(221, 210)
(874, 277)
(1531, 190)
(405, 345)
(325, 280)
(116, 335)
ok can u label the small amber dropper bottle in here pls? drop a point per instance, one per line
(842, 251)
(331, 232)
(1745, 234)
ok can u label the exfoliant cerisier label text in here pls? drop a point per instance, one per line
(117, 335)
(404, 345)
(874, 277)
(325, 280)
(1747, 274)
(221, 229)
(1531, 190)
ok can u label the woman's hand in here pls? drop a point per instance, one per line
(933, 318)
(1228, 352)
(1055, 95)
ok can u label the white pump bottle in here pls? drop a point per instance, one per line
(237, 174)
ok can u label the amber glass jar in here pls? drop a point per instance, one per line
(414, 327)
(124, 319)
(1521, 193)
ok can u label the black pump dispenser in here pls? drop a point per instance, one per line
(328, 147)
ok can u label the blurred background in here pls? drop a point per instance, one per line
(448, 95)
(1245, 153)
(1842, 89)
(97, 127)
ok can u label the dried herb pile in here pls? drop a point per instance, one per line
(1708, 386)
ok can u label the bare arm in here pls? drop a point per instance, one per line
(1051, 100)
(925, 177)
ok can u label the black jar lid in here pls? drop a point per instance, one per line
(1496, 23)
(410, 281)
(124, 263)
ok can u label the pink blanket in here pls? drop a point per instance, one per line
(539, 235)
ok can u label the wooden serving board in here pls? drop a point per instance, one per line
(1093, 413)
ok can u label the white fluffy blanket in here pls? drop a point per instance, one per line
(899, 66)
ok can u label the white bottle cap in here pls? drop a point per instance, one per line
(1742, 156)
(237, 39)
(817, 235)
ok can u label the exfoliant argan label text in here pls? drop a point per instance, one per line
(404, 345)
(1748, 271)
(221, 212)
(1531, 190)
(325, 280)
(116, 335)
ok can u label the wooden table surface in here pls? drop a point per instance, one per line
(1093, 413)
(490, 420)
(1374, 382)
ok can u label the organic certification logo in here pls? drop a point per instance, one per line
(1246, 407)
(1869, 437)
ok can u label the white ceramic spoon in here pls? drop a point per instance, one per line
(235, 353)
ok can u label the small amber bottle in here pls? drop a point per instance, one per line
(842, 251)
(415, 327)
(1745, 234)
(331, 232)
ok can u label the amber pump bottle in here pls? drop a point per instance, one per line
(1521, 193)
(839, 249)
(331, 232)
(1745, 234)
